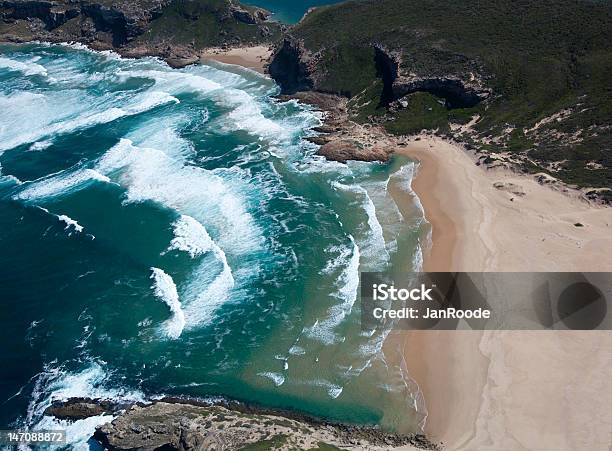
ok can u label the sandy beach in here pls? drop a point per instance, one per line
(254, 58)
(501, 390)
(509, 390)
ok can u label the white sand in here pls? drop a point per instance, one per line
(254, 58)
(510, 390)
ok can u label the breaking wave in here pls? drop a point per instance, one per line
(348, 282)
(165, 289)
(82, 121)
(374, 249)
(56, 383)
(60, 184)
(28, 69)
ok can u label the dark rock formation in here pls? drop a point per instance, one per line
(457, 93)
(343, 150)
(50, 13)
(295, 69)
(292, 66)
(122, 21)
(80, 408)
(460, 90)
(387, 69)
(252, 17)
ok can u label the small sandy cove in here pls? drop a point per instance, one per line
(509, 390)
(501, 390)
(254, 58)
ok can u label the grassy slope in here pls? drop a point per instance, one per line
(538, 56)
(205, 23)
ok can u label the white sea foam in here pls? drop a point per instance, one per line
(334, 391)
(83, 121)
(40, 145)
(200, 195)
(277, 378)
(165, 289)
(323, 330)
(70, 223)
(8, 179)
(172, 81)
(374, 248)
(55, 383)
(405, 174)
(60, 184)
(297, 350)
(245, 109)
(78, 432)
(190, 236)
(246, 114)
(151, 174)
(205, 300)
(28, 69)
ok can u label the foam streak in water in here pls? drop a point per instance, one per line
(347, 293)
(190, 236)
(152, 100)
(59, 184)
(165, 289)
(375, 249)
(27, 69)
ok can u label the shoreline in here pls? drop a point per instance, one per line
(223, 419)
(464, 230)
(251, 57)
(507, 389)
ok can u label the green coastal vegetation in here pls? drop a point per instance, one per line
(545, 66)
(210, 23)
(547, 59)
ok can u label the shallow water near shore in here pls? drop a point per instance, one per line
(169, 232)
(289, 12)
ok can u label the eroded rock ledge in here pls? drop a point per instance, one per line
(136, 28)
(296, 69)
(175, 424)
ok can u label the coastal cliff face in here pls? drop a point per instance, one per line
(182, 425)
(531, 95)
(296, 68)
(173, 29)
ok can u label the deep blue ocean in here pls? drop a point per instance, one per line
(170, 232)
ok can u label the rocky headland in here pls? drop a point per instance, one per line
(467, 72)
(178, 424)
(176, 32)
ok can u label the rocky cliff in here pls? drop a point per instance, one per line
(189, 425)
(530, 94)
(173, 29)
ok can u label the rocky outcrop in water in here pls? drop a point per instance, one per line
(81, 408)
(190, 425)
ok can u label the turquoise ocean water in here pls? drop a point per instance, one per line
(169, 232)
(289, 11)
